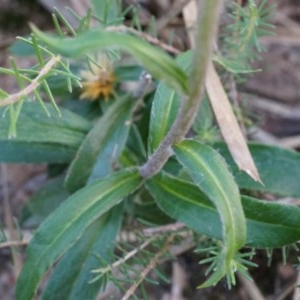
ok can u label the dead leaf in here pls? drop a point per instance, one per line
(228, 124)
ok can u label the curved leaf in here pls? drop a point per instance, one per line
(65, 225)
(269, 225)
(71, 277)
(157, 62)
(14, 151)
(209, 171)
(279, 169)
(102, 146)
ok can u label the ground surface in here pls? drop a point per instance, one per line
(272, 94)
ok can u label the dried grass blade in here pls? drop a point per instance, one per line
(230, 129)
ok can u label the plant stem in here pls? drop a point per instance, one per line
(208, 15)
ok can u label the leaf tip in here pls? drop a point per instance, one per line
(253, 174)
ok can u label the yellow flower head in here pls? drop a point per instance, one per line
(98, 81)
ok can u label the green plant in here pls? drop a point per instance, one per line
(128, 156)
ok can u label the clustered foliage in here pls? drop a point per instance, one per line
(99, 215)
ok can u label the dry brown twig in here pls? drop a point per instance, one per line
(9, 222)
(11, 99)
(151, 266)
(251, 288)
(145, 36)
(173, 12)
(129, 255)
(179, 281)
(175, 250)
(14, 244)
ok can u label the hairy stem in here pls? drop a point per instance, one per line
(208, 15)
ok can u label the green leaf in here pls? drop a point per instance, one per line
(165, 107)
(209, 171)
(35, 126)
(102, 146)
(184, 202)
(41, 138)
(65, 226)
(135, 146)
(14, 151)
(147, 210)
(204, 119)
(279, 169)
(43, 202)
(269, 225)
(157, 62)
(71, 277)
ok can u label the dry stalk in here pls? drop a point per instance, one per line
(14, 244)
(151, 266)
(145, 36)
(9, 221)
(11, 99)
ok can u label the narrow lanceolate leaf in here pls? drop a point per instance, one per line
(158, 63)
(41, 138)
(209, 171)
(165, 107)
(228, 124)
(71, 277)
(163, 113)
(279, 169)
(102, 146)
(65, 226)
(269, 225)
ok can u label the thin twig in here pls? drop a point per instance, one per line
(14, 244)
(9, 221)
(251, 288)
(164, 228)
(125, 258)
(179, 281)
(145, 272)
(286, 292)
(296, 295)
(146, 37)
(273, 107)
(173, 12)
(174, 250)
(291, 142)
(33, 85)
